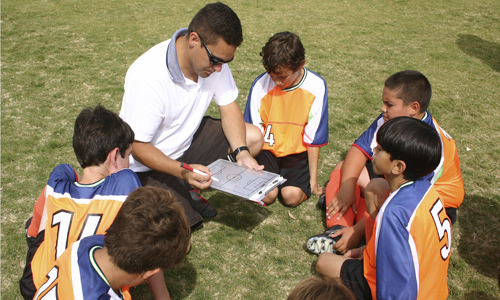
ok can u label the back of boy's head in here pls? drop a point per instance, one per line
(317, 289)
(411, 86)
(413, 141)
(217, 20)
(149, 232)
(283, 49)
(98, 131)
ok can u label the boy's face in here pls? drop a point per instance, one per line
(393, 107)
(382, 164)
(285, 77)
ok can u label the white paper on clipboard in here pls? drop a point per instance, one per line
(243, 182)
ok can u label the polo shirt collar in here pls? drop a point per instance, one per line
(172, 61)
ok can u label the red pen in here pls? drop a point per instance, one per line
(188, 167)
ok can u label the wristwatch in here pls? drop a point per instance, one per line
(232, 156)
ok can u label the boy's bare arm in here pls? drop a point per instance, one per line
(313, 157)
(158, 287)
(354, 163)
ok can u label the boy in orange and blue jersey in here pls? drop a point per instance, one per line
(406, 93)
(290, 105)
(149, 234)
(407, 256)
(72, 208)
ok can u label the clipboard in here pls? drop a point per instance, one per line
(243, 182)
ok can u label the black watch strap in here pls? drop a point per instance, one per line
(232, 156)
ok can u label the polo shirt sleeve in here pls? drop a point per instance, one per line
(226, 91)
(143, 105)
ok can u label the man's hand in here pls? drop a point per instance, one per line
(344, 199)
(198, 181)
(244, 158)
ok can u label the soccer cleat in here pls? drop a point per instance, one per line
(202, 206)
(29, 239)
(322, 202)
(320, 243)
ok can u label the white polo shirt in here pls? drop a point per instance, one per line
(165, 108)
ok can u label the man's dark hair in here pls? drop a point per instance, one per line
(149, 232)
(283, 49)
(98, 131)
(411, 86)
(217, 20)
(413, 141)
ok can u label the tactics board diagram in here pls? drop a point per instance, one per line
(242, 181)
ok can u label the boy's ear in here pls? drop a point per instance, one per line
(302, 64)
(113, 156)
(148, 274)
(399, 167)
(414, 108)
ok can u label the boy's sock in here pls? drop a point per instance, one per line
(348, 218)
(32, 230)
(369, 223)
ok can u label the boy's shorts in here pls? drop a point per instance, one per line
(294, 167)
(351, 273)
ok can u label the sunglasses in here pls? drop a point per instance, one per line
(214, 60)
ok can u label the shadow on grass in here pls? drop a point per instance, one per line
(180, 281)
(475, 295)
(479, 220)
(238, 213)
(486, 51)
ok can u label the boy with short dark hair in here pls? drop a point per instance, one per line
(149, 234)
(409, 251)
(289, 104)
(405, 93)
(71, 208)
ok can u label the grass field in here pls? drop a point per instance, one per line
(59, 56)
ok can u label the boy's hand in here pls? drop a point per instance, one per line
(340, 203)
(349, 240)
(317, 190)
(356, 253)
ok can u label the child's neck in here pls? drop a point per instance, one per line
(93, 174)
(116, 277)
(395, 182)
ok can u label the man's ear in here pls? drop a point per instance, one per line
(414, 108)
(399, 167)
(193, 39)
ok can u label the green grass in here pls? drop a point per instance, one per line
(60, 56)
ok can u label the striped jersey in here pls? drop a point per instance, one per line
(447, 177)
(76, 275)
(290, 119)
(74, 211)
(409, 252)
